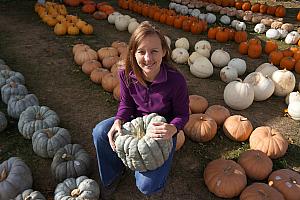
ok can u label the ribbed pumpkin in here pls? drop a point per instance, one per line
(97, 75)
(260, 191)
(84, 55)
(35, 118)
(106, 52)
(256, 164)
(137, 150)
(15, 177)
(46, 142)
(269, 141)
(109, 82)
(287, 182)
(70, 161)
(225, 178)
(79, 188)
(7, 76)
(90, 65)
(11, 89)
(200, 128)
(197, 104)
(18, 103)
(218, 113)
(237, 128)
(30, 195)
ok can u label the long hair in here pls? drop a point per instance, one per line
(143, 30)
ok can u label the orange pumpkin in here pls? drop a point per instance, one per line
(196, 27)
(186, 25)
(298, 16)
(254, 51)
(271, 10)
(170, 20)
(297, 67)
(243, 48)
(99, 15)
(256, 164)
(270, 46)
(287, 63)
(97, 74)
(240, 36)
(238, 5)
(218, 113)
(230, 32)
(237, 128)
(255, 7)
(288, 52)
(88, 8)
(297, 55)
(275, 57)
(280, 11)
(89, 66)
(260, 191)
(109, 82)
(212, 32)
(197, 103)
(246, 6)
(263, 8)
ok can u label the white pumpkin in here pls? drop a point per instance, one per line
(202, 67)
(168, 40)
(225, 20)
(260, 28)
(240, 26)
(121, 23)
(291, 97)
(228, 74)
(184, 10)
(294, 110)
(196, 12)
(172, 5)
(266, 69)
(238, 95)
(247, 17)
(273, 34)
(202, 44)
(180, 55)
(239, 64)
(220, 58)
(182, 43)
(285, 82)
(211, 18)
(240, 14)
(263, 86)
(283, 33)
(234, 22)
(292, 37)
(288, 27)
(193, 57)
(202, 16)
(112, 17)
(276, 24)
(132, 26)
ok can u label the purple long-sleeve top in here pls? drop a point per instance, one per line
(167, 96)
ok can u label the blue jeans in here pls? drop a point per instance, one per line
(111, 166)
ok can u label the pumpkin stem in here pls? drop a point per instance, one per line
(271, 183)
(293, 180)
(3, 174)
(38, 116)
(49, 133)
(13, 84)
(243, 119)
(75, 192)
(228, 169)
(140, 132)
(67, 157)
(28, 198)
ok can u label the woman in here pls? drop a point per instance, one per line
(148, 84)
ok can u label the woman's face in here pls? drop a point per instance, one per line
(149, 56)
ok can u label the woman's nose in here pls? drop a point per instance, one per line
(147, 56)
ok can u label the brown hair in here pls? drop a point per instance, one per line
(143, 30)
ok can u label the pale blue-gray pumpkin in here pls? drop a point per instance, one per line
(30, 195)
(46, 142)
(3, 121)
(35, 118)
(137, 150)
(3, 66)
(15, 177)
(18, 103)
(81, 188)
(7, 76)
(11, 89)
(70, 161)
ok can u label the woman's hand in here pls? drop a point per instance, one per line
(116, 128)
(162, 130)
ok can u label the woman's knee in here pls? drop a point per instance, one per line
(101, 129)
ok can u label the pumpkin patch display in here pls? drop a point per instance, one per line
(200, 128)
(260, 191)
(237, 128)
(137, 149)
(268, 140)
(45, 142)
(15, 177)
(70, 161)
(35, 118)
(287, 182)
(77, 188)
(225, 178)
(30, 194)
(256, 164)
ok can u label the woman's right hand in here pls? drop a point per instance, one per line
(116, 128)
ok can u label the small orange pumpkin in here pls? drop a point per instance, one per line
(237, 128)
(270, 46)
(287, 63)
(197, 103)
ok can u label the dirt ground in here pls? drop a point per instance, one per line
(30, 47)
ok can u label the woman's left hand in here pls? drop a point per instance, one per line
(162, 131)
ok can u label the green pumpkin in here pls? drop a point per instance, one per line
(30, 195)
(70, 161)
(3, 121)
(46, 142)
(77, 189)
(15, 177)
(137, 150)
(18, 103)
(11, 89)
(35, 118)
(7, 76)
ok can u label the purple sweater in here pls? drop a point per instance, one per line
(167, 96)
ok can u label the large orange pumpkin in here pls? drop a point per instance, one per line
(237, 128)
(225, 178)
